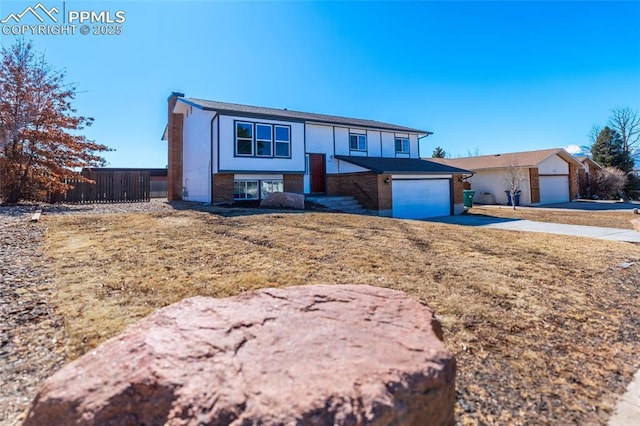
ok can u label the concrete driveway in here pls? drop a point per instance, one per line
(613, 234)
(592, 205)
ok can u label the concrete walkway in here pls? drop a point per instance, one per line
(628, 409)
(613, 234)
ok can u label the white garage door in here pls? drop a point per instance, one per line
(420, 198)
(554, 189)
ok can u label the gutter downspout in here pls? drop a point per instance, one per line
(211, 159)
(422, 137)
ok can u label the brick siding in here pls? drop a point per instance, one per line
(368, 188)
(573, 182)
(293, 183)
(223, 188)
(534, 182)
(458, 187)
(174, 145)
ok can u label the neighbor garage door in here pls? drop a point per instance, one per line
(554, 189)
(420, 198)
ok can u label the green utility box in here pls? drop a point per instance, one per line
(468, 194)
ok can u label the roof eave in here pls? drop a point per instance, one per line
(284, 117)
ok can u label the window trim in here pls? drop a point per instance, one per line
(271, 150)
(358, 135)
(402, 139)
(259, 182)
(254, 140)
(276, 141)
(245, 182)
(236, 138)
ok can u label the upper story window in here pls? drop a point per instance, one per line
(402, 145)
(357, 142)
(283, 141)
(244, 138)
(262, 140)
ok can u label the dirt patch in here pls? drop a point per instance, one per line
(544, 327)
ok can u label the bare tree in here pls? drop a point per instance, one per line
(593, 135)
(609, 182)
(40, 144)
(627, 123)
(514, 178)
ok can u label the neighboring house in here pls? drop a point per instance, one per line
(548, 176)
(223, 152)
(586, 175)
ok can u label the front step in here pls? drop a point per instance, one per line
(341, 203)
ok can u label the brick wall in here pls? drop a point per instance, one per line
(293, 183)
(534, 181)
(368, 188)
(174, 146)
(458, 187)
(573, 182)
(583, 185)
(223, 188)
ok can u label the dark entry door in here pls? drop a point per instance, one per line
(318, 171)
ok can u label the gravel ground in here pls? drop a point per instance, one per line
(31, 332)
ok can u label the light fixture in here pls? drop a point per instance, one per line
(387, 180)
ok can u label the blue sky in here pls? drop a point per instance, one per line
(485, 77)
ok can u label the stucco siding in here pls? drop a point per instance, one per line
(373, 143)
(342, 140)
(319, 139)
(495, 183)
(196, 156)
(413, 142)
(553, 165)
(388, 145)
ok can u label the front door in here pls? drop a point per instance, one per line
(317, 171)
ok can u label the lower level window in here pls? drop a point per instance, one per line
(269, 187)
(245, 190)
(256, 189)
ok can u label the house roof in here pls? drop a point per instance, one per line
(584, 159)
(264, 112)
(400, 165)
(499, 161)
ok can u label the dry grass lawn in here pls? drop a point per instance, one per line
(544, 328)
(609, 219)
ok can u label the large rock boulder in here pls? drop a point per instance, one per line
(310, 355)
(284, 200)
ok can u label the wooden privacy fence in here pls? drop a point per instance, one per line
(109, 187)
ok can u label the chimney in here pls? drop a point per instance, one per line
(174, 144)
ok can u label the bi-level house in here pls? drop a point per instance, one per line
(224, 152)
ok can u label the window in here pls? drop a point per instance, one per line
(245, 190)
(269, 140)
(269, 187)
(283, 141)
(256, 189)
(357, 142)
(402, 145)
(244, 138)
(263, 140)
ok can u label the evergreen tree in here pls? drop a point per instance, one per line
(608, 150)
(438, 152)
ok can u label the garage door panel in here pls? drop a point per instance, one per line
(421, 198)
(554, 189)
